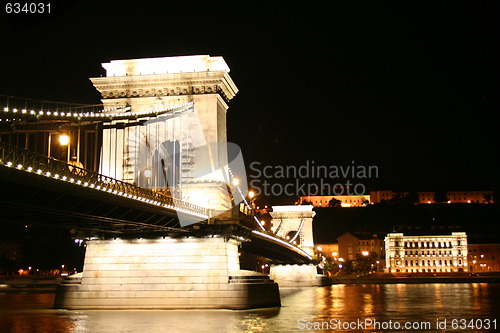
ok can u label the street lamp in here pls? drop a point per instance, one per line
(251, 196)
(63, 140)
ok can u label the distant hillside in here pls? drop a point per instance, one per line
(481, 222)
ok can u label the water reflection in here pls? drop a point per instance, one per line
(32, 313)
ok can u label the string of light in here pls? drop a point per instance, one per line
(90, 185)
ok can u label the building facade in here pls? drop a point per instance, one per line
(484, 258)
(345, 200)
(426, 254)
(481, 197)
(350, 246)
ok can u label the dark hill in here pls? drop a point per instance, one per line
(481, 222)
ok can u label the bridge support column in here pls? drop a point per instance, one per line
(296, 275)
(166, 273)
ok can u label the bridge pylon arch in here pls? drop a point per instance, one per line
(294, 223)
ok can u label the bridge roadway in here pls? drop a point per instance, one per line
(38, 189)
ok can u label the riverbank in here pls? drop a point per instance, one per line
(412, 279)
(31, 284)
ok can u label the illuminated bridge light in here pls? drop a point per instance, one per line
(9, 164)
(6, 109)
(39, 171)
(47, 173)
(78, 181)
(71, 180)
(56, 176)
(85, 184)
(19, 166)
(64, 178)
(29, 169)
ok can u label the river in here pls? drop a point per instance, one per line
(461, 307)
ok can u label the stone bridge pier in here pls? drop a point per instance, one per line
(294, 223)
(166, 273)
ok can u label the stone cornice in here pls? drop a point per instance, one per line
(172, 84)
(292, 215)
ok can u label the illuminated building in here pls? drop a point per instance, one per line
(484, 257)
(426, 254)
(345, 200)
(481, 197)
(351, 245)
(328, 250)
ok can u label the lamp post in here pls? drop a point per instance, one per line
(64, 141)
(251, 196)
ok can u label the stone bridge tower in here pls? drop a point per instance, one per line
(178, 146)
(294, 223)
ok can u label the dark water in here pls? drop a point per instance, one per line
(306, 310)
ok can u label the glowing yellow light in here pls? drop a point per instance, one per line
(251, 194)
(236, 182)
(365, 253)
(63, 140)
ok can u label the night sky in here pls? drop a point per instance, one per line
(410, 88)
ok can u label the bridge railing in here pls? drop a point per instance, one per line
(29, 161)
